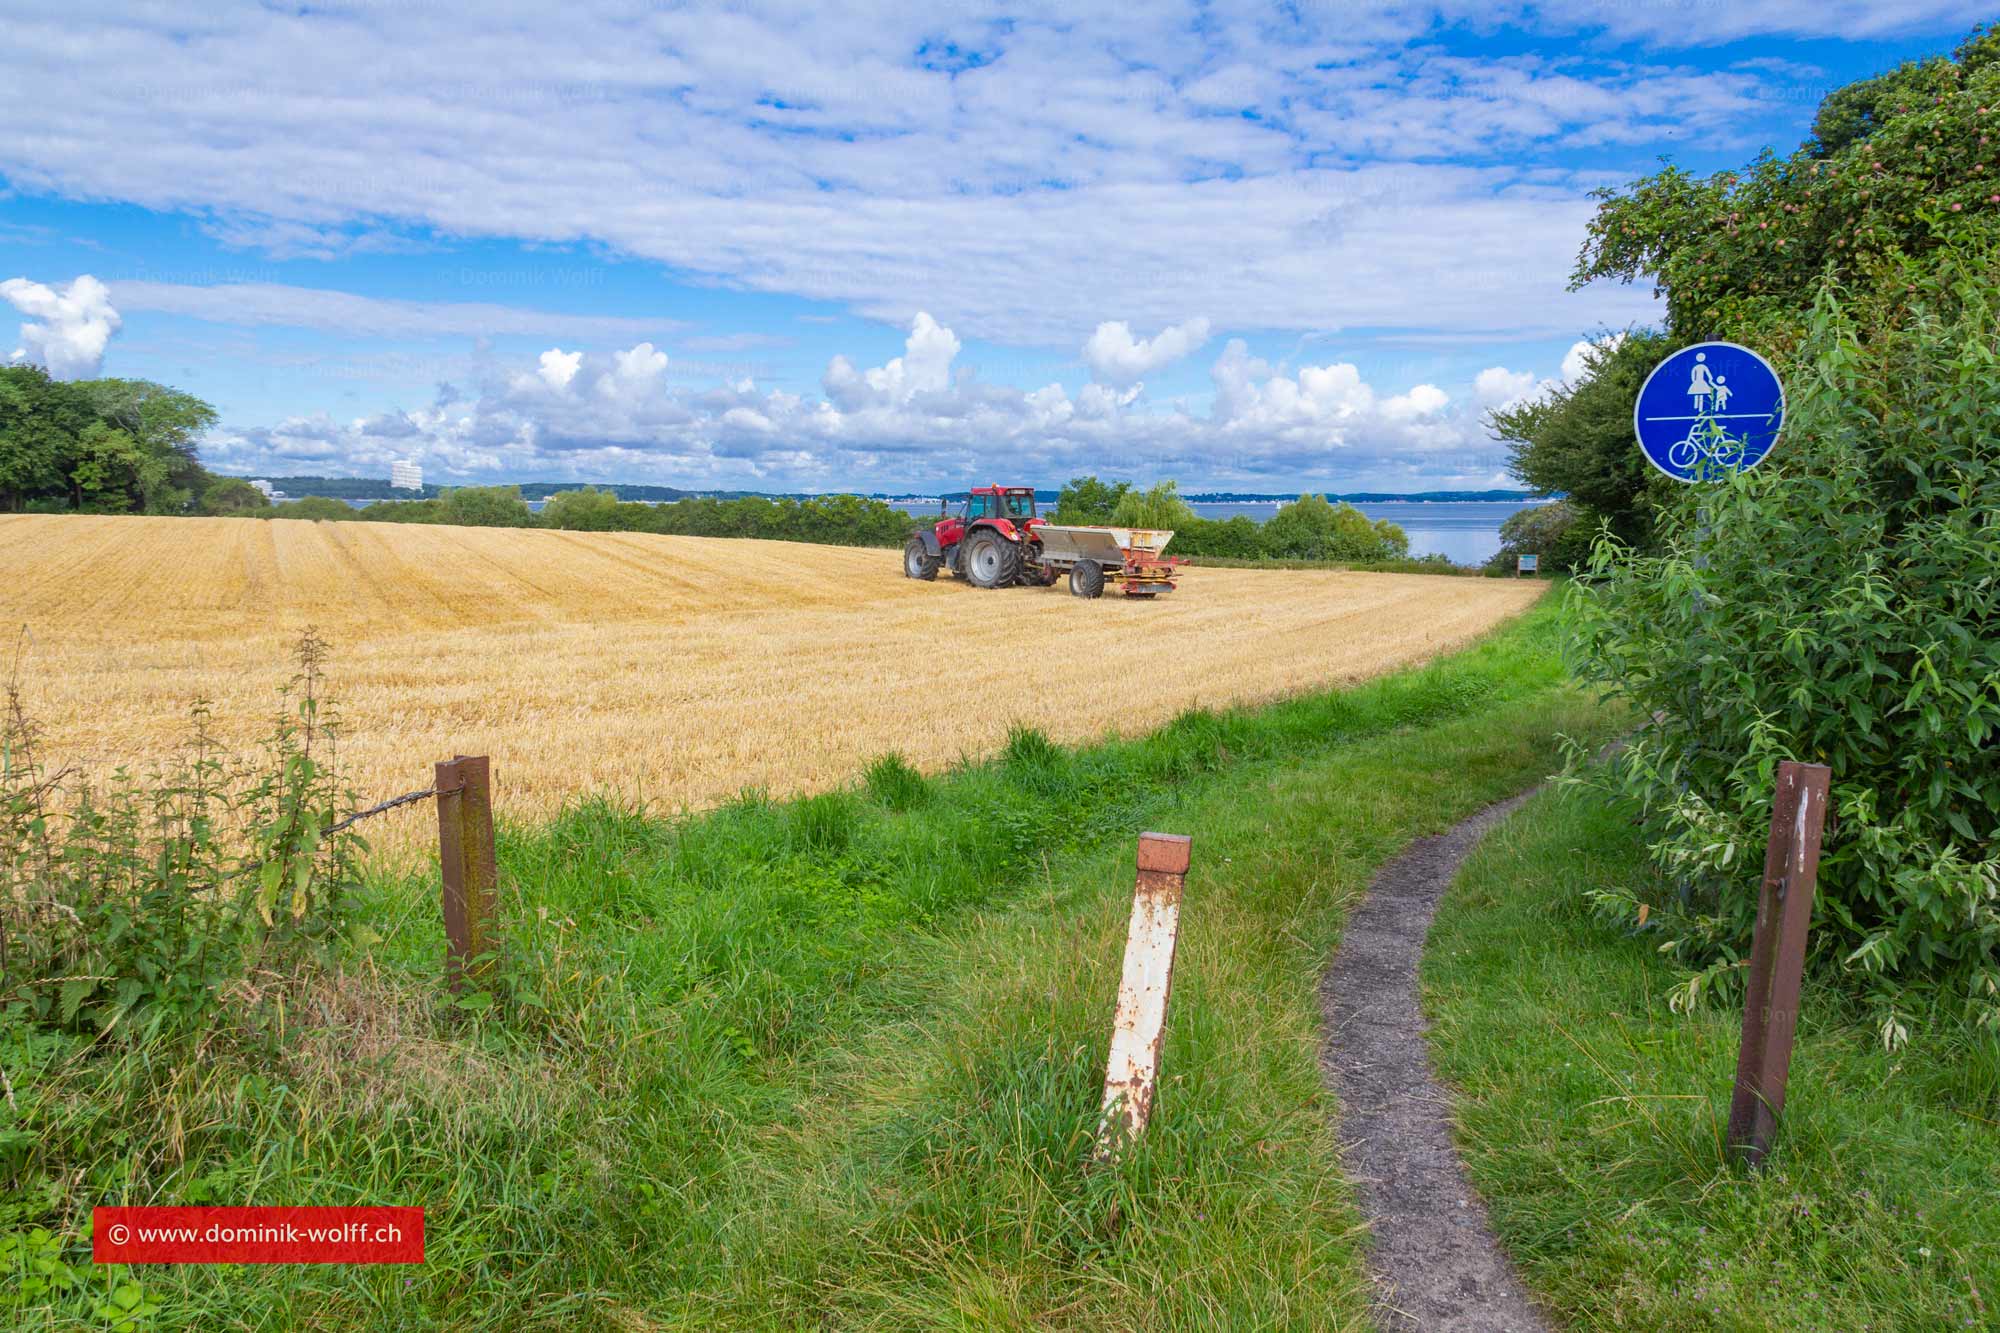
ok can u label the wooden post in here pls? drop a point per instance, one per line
(1777, 958)
(1132, 1073)
(465, 859)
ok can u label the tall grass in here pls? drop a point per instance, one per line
(830, 1062)
(1593, 1116)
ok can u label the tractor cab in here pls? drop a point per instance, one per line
(1009, 509)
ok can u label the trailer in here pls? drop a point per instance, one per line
(1092, 557)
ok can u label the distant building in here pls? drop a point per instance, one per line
(271, 493)
(406, 476)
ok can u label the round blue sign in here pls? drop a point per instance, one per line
(1707, 408)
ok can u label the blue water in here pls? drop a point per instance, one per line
(1466, 532)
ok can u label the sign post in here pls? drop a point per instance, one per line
(1777, 958)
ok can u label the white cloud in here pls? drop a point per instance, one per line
(1116, 358)
(924, 367)
(75, 322)
(918, 420)
(270, 304)
(558, 367)
(1497, 386)
(1319, 167)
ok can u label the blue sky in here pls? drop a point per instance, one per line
(835, 246)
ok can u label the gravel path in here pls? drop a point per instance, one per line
(1434, 1258)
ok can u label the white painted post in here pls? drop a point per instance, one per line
(1132, 1073)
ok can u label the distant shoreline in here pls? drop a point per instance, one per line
(373, 488)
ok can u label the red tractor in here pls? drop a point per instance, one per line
(996, 540)
(986, 542)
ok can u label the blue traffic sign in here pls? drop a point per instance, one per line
(1709, 408)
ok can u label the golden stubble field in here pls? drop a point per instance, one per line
(677, 670)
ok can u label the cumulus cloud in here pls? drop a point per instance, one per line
(1116, 358)
(919, 419)
(924, 367)
(558, 367)
(68, 327)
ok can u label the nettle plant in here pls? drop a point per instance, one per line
(138, 904)
(1840, 604)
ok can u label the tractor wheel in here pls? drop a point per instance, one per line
(1086, 579)
(918, 562)
(991, 561)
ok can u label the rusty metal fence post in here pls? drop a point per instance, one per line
(465, 860)
(1777, 958)
(1132, 1072)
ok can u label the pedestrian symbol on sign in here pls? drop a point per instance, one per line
(1707, 408)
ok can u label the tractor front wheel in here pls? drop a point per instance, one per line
(1086, 579)
(991, 561)
(918, 562)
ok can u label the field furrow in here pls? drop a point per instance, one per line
(675, 669)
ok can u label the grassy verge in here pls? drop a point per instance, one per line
(1592, 1120)
(832, 1062)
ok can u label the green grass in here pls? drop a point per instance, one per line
(826, 1063)
(1592, 1119)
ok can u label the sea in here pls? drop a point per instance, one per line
(1465, 532)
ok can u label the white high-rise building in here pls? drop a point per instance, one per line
(406, 476)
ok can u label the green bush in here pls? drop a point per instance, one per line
(139, 905)
(1312, 528)
(1559, 532)
(1840, 604)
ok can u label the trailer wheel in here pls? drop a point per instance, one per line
(991, 561)
(918, 562)
(1086, 579)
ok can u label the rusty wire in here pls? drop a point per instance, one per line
(377, 809)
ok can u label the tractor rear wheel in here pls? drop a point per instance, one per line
(991, 561)
(1086, 579)
(918, 562)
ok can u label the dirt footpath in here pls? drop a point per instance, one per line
(1434, 1259)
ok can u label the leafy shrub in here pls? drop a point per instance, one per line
(1559, 532)
(1312, 528)
(138, 905)
(1840, 604)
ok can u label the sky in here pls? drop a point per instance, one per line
(828, 246)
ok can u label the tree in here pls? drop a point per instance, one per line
(1160, 507)
(41, 421)
(233, 495)
(587, 510)
(1088, 502)
(166, 423)
(1311, 528)
(1576, 440)
(486, 507)
(1899, 166)
(1554, 531)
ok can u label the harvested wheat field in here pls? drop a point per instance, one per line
(678, 670)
